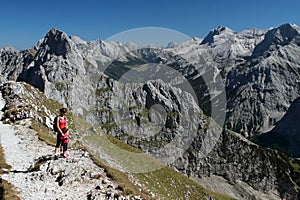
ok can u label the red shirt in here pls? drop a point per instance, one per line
(62, 122)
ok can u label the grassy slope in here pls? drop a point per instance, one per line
(164, 181)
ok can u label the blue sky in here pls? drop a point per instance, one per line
(23, 23)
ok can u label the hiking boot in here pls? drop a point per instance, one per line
(56, 156)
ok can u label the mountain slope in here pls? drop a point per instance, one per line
(28, 112)
(260, 89)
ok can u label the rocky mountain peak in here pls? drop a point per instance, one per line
(288, 31)
(171, 45)
(57, 42)
(281, 36)
(77, 40)
(220, 30)
(9, 48)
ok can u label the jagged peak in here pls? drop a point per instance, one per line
(221, 29)
(9, 48)
(289, 26)
(285, 32)
(57, 41)
(56, 34)
(283, 35)
(98, 41)
(252, 32)
(171, 45)
(217, 31)
(54, 31)
(77, 40)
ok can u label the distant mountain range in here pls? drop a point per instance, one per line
(247, 82)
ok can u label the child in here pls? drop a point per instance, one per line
(65, 140)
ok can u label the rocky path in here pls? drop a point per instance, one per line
(36, 174)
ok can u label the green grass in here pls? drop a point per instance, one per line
(295, 165)
(170, 184)
(122, 145)
(53, 106)
(7, 191)
(99, 91)
(108, 126)
(60, 86)
(125, 184)
(44, 133)
(163, 181)
(3, 163)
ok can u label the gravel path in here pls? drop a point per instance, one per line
(18, 153)
(21, 150)
(53, 178)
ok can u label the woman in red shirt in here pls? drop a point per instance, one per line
(61, 124)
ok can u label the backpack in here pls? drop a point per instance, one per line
(55, 128)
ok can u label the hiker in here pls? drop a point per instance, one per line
(65, 141)
(61, 123)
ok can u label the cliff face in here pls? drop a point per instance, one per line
(261, 88)
(116, 86)
(285, 134)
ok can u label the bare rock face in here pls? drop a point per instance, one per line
(12, 62)
(261, 88)
(261, 169)
(284, 136)
(281, 36)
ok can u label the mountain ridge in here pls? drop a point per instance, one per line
(283, 35)
(259, 91)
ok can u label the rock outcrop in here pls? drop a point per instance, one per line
(35, 171)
